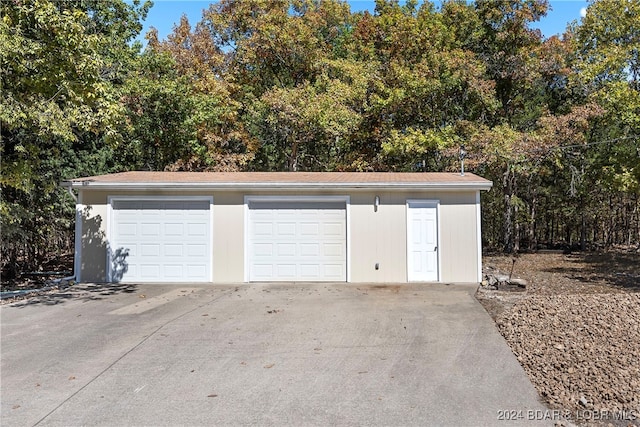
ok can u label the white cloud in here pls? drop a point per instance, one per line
(583, 12)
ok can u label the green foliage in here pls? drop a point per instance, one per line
(59, 110)
(307, 85)
(607, 65)
(159, 106)
(306, 127)
(416, 148)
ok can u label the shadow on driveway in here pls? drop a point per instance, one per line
(82, 292)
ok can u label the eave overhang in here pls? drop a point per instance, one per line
(280, 186)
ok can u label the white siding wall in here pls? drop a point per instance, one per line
(459, 244)
(381, 236)
(228, 241)
(376, 237)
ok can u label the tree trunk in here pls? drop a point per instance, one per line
(508, 220)
(583, 233)
(293, 158)
(583, 225)
(516, 237)
(533, 243)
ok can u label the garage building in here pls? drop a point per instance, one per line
(231, 227)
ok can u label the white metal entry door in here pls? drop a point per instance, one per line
(297, 241)
(160, 240)
(422, 241)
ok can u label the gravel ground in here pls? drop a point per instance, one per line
(576, 331)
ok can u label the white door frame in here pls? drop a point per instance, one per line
(110, 222)
(431, 203)
(479, 235)
(249, 199)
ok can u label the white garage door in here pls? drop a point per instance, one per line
(297, 241)
(160, 240)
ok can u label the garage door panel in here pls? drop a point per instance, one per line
(150, 270)
(335, 271)
(195, 250)
(150, 250)
(261, 271)
(333, 229)
(128, 213)
(204, 216)
(196, 271)
(309, 271)
(309, 229)
(263, 229)
(286, 214)
(166, 240)
(174, 229)
(132, 269)
(286, 229)
(125, 249)
(333, 213)
(333, 250)
(297, 240)
(310, 249)
(150, 229)
(127, 230)
(286, 249)
(197, 229)
(287, 271)
(173, 271)
(173, 250)
(263, 249)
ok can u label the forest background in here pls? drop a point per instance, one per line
(304, 85)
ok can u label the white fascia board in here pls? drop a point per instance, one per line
(195, 186)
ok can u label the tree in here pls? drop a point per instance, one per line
(58, 98)
(219, 139)
(275, 42)
(424, 89)
(159, 129)
(607, 69)
(308, 127)
(506, 45)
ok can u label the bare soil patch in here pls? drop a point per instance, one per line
(575, 330)
(44, 280)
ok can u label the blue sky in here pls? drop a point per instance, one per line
(166, 13)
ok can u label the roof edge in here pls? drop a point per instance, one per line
(472, 185)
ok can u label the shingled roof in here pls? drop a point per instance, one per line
(233, 180)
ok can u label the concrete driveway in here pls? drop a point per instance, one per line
(267, 354)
